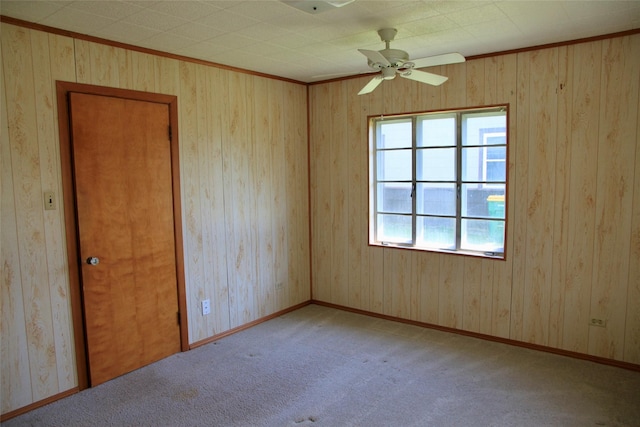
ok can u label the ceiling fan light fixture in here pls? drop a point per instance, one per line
(340, 3)
(388, 73)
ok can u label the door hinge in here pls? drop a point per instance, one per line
(178, 318)
(170, 133)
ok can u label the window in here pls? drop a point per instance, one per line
(438, 181)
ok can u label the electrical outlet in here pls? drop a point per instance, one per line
(206, 307)
(279, 286)
(598, 322)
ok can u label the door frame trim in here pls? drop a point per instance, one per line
(70, 214)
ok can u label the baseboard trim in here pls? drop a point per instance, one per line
(38, 404)
(247, 325)
(531, 346)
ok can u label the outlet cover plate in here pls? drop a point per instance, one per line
(206, 307)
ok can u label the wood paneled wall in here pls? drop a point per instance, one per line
(573, 242)
(243, 154)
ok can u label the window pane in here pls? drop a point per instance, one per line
(394, 165)
(394, 197)
(437, 233)
(437, 131)
(496, 171)
(394, 228)
(484, 201)
(482, 235)
(436, 199)
(436, 164)
(496, 153)
(394, 134)
(484, 164)
(485, 128)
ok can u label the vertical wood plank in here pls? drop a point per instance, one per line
(580, 229)
(541, 192)
(453, 93)
(104, 64)
(398, 277)
(281, 200)
(475, 77)
(518, 149)
(450, 292)
(389, 281)
(486, 297)
(471, 285)
(266, 195)
(167, 75)
(428, 272)
(214, 242)
(14, 358)
(339, 181)
(241, 269)
(82, 63)
(321, 192)
(616, 155)
(143, 71)
(125, 68)
(561, 199)
(192, 232)
(201, 210)
(377, 289)
(250, 288)
(356, 140)
(279, 197)
(415, 299)
(632, 324)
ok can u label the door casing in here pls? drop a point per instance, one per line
(71, 222)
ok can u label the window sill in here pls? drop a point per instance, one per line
(498, 256)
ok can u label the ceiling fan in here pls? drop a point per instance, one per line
(394, 61)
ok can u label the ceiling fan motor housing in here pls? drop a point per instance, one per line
(396, 58)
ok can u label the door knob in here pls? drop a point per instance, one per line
(92, 260)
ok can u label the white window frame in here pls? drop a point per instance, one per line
(458, 182)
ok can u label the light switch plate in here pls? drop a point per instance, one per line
(49, 201)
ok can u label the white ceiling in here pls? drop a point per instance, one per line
(272, 37)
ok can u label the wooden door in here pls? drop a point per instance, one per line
(122, 175)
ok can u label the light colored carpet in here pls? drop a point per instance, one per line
(325, 367)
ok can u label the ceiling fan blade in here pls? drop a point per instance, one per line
(347, 73)
(431, 61)
(424, 77)
(369, 87)
(375, 56)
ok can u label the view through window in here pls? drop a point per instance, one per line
(439, 181)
